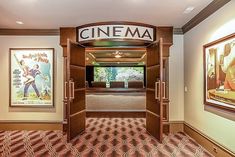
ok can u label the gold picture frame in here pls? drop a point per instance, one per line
(31, 77)
(219, 73)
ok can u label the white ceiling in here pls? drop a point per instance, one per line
(51, 14)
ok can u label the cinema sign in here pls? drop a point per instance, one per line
(116, 31)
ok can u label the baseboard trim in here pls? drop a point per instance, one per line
(30, 125)
(176, 126)
(116, 114)
(208, 143)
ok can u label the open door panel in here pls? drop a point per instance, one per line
(75, 89)
(154, 94)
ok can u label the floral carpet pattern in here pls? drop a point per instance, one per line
(103, 137)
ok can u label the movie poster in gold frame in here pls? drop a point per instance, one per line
(31, 77)
(219, 73)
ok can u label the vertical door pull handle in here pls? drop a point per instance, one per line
(164, 90)
(157, 90)
(65, 90)
(72, 97)
(70, 91)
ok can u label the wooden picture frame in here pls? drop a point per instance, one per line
(31, 77)
(219, 73)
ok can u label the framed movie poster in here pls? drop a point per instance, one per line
(31, 77)
(219, 73)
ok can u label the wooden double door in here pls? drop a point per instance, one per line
(75, 90)
(74, 94)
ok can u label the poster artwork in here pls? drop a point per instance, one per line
(219, 61)
(31, 77)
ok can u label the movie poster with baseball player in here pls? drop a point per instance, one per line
(31, 77)
(219, 73)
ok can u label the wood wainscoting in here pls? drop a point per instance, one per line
(30, 125)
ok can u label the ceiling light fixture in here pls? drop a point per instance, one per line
(188, 10)
(117, 54)
(19, 22)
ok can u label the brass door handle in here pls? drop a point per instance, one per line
(71, 90)
(72, 97)
(157, 89)
(65, 91)
(164, 90)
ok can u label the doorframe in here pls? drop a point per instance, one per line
(165, 32)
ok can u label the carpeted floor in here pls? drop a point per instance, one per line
(111, 137)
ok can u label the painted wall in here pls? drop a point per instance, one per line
(176, 79)
(7, 113)
(217, 25)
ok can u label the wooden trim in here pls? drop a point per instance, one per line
(31, 125)
(203, 14)
(176, 126)
(178, 31)
(116, 114)
(208, 143)
(30, 32)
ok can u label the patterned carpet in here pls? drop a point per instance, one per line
(111, 137)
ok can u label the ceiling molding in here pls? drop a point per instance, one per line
(178, 31)
(30, 32)
(202, 15)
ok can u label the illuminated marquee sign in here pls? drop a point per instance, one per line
(115, 32)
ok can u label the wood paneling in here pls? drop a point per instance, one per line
(78, 103)
(161, 32)
(166, 33)
(166, 128)
(77, 124)
(152, 104)
(165, 111)
(76, 76)
(176, 126)
(67, 33)
(152, 125)
(166, 49)
(153, 74)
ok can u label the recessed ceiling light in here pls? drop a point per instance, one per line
(188, 9)
(19, 22)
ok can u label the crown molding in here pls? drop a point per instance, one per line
(30, 32)
(178, 31)
(204, 13)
